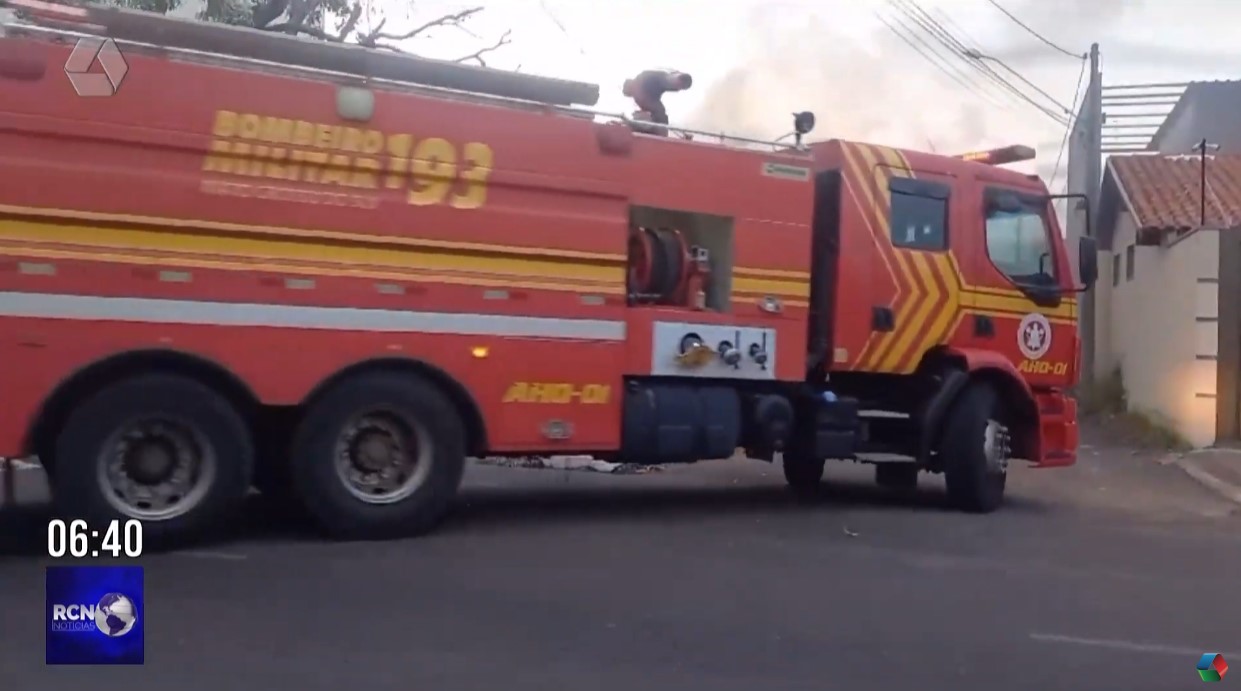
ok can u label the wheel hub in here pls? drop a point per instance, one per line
(381, 459)
(150, 460)
(155, 470)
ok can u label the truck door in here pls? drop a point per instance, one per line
(1018, 273)
(923, 248)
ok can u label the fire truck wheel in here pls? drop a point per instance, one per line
(803, 475)
(378, 456)
(975, 447)
(160, 448)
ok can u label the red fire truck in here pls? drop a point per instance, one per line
(334, 274)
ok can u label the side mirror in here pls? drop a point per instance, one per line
(1088, 260)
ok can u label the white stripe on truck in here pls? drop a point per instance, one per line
(89, 307)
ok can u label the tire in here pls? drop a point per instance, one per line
(975, 481)
(898, 476)
(179, 419)
(803, 475)
(407, 409)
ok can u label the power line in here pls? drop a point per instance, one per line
(1027, 82)
(1031, 31)
(1077, 92)
(977, 54)
(948, 40)
(560, 25)
(928, 53)
(945, 37)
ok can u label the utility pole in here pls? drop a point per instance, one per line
(1092, 133)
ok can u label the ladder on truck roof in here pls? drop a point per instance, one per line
(284, 54)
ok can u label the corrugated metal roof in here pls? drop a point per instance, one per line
(1193, 91)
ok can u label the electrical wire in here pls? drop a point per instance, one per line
(954, 44)
(946, 38)
(547, 11)
(1031, 31)
(1027, 82)
(1077, 93)
(928, 53)
(975, 49)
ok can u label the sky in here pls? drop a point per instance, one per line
(754, 63)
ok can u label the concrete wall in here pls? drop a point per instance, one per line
(1160, 328)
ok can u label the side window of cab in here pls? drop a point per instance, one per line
(919, 214)
(1018, 240)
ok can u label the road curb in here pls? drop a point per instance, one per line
(1224, 488)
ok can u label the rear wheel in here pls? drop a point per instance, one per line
(975, 450)
(379, 456)
(163, 449)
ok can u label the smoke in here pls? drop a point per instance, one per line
(869, 88)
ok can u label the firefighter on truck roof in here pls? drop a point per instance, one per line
(648, 88)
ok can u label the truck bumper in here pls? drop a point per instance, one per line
(1058, 433)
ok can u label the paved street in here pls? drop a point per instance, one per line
(1116, 574)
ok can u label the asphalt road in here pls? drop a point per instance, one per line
(1116, 574)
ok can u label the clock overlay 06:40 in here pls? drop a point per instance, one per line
(78, 540)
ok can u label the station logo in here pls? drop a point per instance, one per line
(94, 615)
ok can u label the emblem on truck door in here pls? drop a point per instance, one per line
(1034, 336)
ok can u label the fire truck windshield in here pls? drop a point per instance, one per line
(1019, 246)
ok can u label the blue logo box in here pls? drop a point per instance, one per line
(94, 615)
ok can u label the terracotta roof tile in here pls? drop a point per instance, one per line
(1164, 192)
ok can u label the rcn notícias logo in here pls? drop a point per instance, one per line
(114, 615)
(1211, 667)
(94, 615)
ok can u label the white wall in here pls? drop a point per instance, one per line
(1161, 331)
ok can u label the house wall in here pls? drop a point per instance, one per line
(1161, 328)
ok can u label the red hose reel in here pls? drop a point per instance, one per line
(665, 269)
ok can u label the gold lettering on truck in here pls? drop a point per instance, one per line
(557, 392)
(256, 155)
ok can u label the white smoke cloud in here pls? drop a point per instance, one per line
(870, 88)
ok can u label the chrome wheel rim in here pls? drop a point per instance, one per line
(381, 458)
(156, 469)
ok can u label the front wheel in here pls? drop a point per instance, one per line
(975, 448)
(379, 456)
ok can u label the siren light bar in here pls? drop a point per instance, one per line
(1001, 156)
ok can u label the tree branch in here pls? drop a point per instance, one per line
(351, 22)
(374, 37)
(478, 54)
